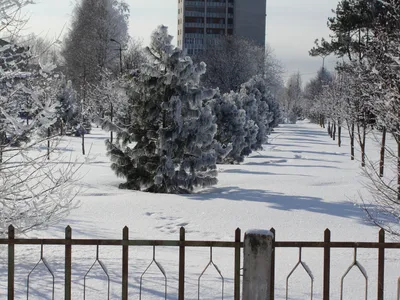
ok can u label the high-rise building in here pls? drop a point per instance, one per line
(202, 21)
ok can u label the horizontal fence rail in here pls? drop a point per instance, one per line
(68, 242)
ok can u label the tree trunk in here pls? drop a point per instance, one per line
(362, 133)
(62, 127)
(2, 142)
(334, 131)
(339, 135)
(83, 139)
(352, 142)
(382, 156)
(82, 127)
(48, 143)
(329, 128)
(111, 120)
(398, 171)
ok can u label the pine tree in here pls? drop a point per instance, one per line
(68, 114)
(248, 102)
(265, 117)
(231, 132)
(172, 127)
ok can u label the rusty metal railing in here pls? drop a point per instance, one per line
(182, 244)
(125, 243)
(327, 245)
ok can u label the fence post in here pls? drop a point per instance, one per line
(11, 262)
(68, 263)
(381, 265)
(398, 289)
(182, 264)
(327, 264)
(257, 265)
(272, 290)
(125, 263)
(237, 264)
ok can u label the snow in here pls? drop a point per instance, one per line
(259, 232)
(300, 184)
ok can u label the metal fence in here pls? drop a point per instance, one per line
(68, 242)
(327, 245)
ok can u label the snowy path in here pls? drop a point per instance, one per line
(300, 184)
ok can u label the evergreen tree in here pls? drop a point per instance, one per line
(248, 102)
(352, 28)
(264, 117)
(67, 112)
(172, 128)
(231, 132)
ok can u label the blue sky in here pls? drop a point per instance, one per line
(292, 25)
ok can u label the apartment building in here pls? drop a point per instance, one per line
(201, 22)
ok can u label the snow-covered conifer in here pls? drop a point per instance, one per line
(248, 102)
(169, 146)
(268, 113)
(231, 122)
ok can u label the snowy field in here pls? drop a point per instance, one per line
(301, 184)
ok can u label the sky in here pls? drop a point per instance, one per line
(292, 26)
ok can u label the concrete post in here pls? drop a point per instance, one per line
(257, 265)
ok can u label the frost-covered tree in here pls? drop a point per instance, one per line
(34, 191)
(134, 55)
(268, 111)
(231, 61)
(248, 102)
(293, 99)
(67, 111)
(381, 80)
(312, 107)
(11, 19)
(89, 45)
(231, 127)
(169, 146)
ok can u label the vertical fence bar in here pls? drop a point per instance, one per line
(11, 262)
(327, 264)
(125, 263)
(237, 264)
(182, 264)
(272, 290)
(68, 263)
(381, 266)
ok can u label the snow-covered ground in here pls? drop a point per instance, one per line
(300, 184)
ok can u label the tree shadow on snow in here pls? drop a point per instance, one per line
(279, 201)
(251, 172)
(274, 164)
(308, 141)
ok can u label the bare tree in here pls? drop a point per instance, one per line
(134, 55)
(34, 189)
(12, 19)
(231, 61)
(292, 101)
(90, 44)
